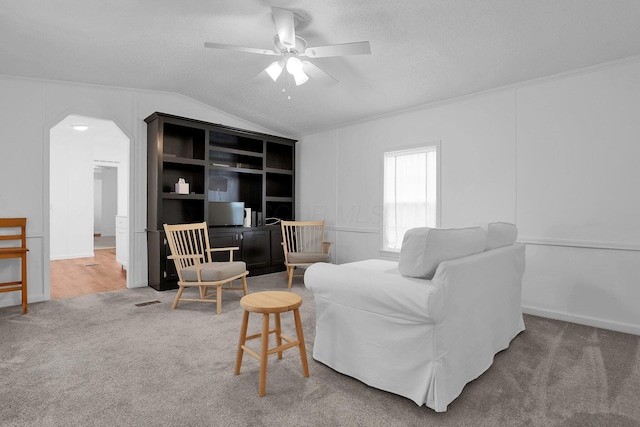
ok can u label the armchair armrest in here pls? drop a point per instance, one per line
(230, 249)
(386, 294)
(326, 247)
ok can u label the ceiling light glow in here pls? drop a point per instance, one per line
(80, 127)
(294, 67)
(274, 70)
(300, 77)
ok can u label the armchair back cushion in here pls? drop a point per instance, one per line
(499, 234)
(423, 249)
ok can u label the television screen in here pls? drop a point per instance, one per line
(226, 213)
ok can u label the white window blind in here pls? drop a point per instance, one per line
(410, 193)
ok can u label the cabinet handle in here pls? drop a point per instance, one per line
(241, 236)
(164, 273)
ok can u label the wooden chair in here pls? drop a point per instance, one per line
(19, 251)
(190, 251)
(303, 244)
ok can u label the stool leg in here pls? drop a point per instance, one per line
(24, 284)
(278, 333)
(263, 355)
(241, 341)
(301, 346)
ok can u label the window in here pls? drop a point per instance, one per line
(411, 193)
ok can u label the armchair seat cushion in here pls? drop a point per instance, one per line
(307, 257)
(214, 271)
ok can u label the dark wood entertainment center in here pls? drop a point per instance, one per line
(220, 164)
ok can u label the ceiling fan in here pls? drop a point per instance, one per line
(292, 47)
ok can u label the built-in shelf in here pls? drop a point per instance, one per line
(178, 196)
(182, 160)
(220, 164)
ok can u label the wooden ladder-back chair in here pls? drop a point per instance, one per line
(18, 250)
(190, 251)
(303, 244)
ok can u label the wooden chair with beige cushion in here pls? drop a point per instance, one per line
(303, 244)
(190, 251)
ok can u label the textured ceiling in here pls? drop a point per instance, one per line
(422, 51)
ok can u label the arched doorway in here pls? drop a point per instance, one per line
(89, 195)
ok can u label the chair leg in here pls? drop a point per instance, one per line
(264, 348)
(241, 341)
(178, 295)
(301, 346)
(290, 273)
(25, 309)
(244, 285)
(219, 299)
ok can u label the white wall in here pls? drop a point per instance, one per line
(109, 200)
(71, 196)
(97, 201)
(28, 110)
(111, 149)
(478, 169)
(556, 156)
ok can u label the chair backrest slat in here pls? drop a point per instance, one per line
(10, 224)
(303, 236)
(188, 239)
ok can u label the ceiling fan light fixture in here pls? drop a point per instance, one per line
(300, 77)
(274, 70)
(294, 67)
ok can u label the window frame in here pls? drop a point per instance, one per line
(437, 146)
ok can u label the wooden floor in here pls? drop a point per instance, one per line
(83, 276)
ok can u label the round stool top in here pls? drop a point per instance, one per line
(270, 302)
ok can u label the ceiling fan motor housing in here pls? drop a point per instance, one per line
(299, 48)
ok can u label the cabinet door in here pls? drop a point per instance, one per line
(224, 239)
(169, 277)
(277, 254)
(162, 271)
(256, 248)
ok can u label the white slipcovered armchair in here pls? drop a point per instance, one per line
(425, 326)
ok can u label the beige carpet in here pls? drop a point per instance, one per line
(100, 360)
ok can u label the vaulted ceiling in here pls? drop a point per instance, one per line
(423, 51)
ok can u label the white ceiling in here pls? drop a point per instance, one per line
(423, 51)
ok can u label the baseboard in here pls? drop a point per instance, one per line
(73, 256)
(14, 299)
(627, 328)
(138, 285)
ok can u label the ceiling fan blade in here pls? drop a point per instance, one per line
(317, 74)
(285, 25)
(240, 48)
(357, 48)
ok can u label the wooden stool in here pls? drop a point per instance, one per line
(16, 252)
(270, 302)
